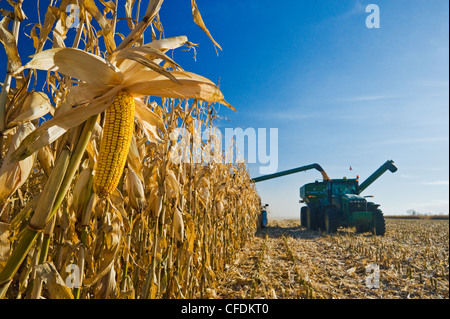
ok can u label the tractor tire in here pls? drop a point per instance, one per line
(331, 220)
(311, 219)
(320, 219)
(304, 216)
(379, 224)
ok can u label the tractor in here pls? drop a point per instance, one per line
(338, 202)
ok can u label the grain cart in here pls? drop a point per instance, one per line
(338, 202)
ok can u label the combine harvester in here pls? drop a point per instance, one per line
(338, 202)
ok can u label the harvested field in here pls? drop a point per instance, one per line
(286, 260)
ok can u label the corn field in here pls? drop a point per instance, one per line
(288, 261)
(160, 228)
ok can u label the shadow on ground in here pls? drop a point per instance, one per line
(276, 231)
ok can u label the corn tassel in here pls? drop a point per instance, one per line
(117, 133)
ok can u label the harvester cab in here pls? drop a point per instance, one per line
(338, 202)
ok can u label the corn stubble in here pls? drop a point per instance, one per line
(106, 198)
(288, 261)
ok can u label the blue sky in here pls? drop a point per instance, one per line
(339, 93)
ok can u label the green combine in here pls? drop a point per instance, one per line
(338, 202)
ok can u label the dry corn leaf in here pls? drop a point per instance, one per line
(128, 13)
(82, 192)
(102, 76)
(146, 62)
(199, 176)
(77, 64)
(109, 6)
(9, 42)
(5, 245)
(56, 286)
(45, 157)
(60, 29)
(152, 10)
(89, 5)
(18, 11)
(157, 205)
(148, 51)
(114, 239)
(219, 208)
(46, 28)
(199, 21)
(106, 288)
(106, 264)
(25, 212)
(190, 233)
(153, 50)
(134, 159)
(149, 120)
(91, 149)
(135, 190)
(190, 86)
(171, 181)
(178, 225)
(14, 174)
(33, 106)
(49, 131)
(167, 44)
(117, 203)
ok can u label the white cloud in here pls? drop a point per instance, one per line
(365, 98)
(357, 9)
(437, 183)
(407, 176)
(436, 202)
(416, 140)
(437, 83)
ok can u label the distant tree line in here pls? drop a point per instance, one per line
(413, 212)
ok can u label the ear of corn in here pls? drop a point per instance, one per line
(116, 139)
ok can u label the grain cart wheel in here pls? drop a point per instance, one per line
(379, 225)
(304, 216)
(311, 219)
(331, 220)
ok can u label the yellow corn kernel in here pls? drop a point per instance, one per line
(115, 143)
